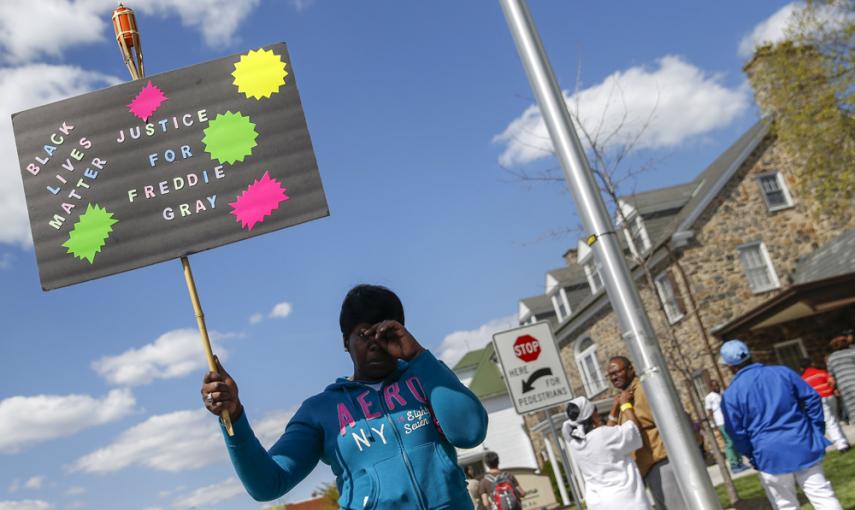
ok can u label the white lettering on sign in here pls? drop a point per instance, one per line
(534, 373)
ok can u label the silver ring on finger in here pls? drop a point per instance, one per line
(210, 399)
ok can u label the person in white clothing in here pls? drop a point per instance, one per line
(712, 404)
(603, 455)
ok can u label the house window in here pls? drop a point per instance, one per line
(758, 267)
(775, 191)
(789, 353)
(636, 235)
(589, 366)
(595, 280)
(669, 294)
(561, 305)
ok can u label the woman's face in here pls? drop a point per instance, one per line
(370, 361)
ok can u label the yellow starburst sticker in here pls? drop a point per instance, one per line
(259, 73)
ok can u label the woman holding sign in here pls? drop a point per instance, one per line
(388, 431)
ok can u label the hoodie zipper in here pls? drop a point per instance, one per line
(407, 463)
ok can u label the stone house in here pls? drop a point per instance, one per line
(736, 252)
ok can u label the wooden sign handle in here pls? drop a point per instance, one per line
(203, 330)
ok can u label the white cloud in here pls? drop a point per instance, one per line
(777, 27)
(6, 260)
(25, 504)
(173, 354)
(168, 442)
(173, 442)
(34, 483)
(270, 428)
(677, 100)
(281, 310)
(301, 5)
(14, 486)
(458, 343)
(216, 20)
(28, 420)
(206, 496)
(22, 88)
(256, 318)
(75, 491)
(25, 23)
(770, 30)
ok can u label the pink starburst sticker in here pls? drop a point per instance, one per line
(259, 200)
(147, 101)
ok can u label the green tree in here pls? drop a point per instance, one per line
(808, 83)
(328, 491)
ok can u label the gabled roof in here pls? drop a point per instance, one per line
(668, 211)
(487, 382)
(833, 259)
(714, 177)
(538, 304)
(661, 199)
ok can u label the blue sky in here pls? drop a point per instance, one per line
(413, 108)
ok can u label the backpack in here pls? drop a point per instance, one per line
(504, 495)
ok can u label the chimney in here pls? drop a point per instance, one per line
(766, 70)
(570, 257)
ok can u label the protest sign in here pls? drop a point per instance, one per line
(167, 166)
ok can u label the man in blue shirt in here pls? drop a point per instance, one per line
(775, 419)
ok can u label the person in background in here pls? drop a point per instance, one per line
(823, 383)
(651, 458)
(472, 484)
(841, 365)
(494, 478)
(604, 455)
(388, 431)
(712, 404)
(775, 419)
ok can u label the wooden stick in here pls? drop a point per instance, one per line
(137, 71)
(203, 330)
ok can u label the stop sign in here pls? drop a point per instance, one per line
(527, 348)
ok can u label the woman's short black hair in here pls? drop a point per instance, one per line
(369, 304)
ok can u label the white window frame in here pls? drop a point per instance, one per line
(774, 283)
(638, 251)
(787, 343)
(592, 272)
(559, 298)
(782, 183)
(594, 383)
(672, 308)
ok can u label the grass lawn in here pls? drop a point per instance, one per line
(840, 469)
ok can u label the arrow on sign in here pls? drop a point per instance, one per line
(528, 384)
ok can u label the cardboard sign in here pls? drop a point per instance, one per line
(166, 166)
(533, 371)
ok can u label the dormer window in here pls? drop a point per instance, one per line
(595, 280)
(561, 304)
(636, 234)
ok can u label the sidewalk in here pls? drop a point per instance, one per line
(715, 474)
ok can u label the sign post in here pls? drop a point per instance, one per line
(637, 332)
(533, 371)
(535, 378)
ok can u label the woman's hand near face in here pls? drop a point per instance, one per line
(394, 338)
(223, 391)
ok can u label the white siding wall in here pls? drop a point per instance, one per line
(506, 436)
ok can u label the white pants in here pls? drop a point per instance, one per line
(832, 426)
(781, 489)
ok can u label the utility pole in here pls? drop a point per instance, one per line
(637, 332)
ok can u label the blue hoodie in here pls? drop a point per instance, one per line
(391, 448)
(775, 418)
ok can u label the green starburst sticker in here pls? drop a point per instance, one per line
(230, 137)
(90, 233)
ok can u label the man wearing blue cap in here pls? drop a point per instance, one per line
(775, 419)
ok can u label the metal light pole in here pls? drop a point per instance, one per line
(637, 332)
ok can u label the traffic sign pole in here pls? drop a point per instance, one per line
(637, 332)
